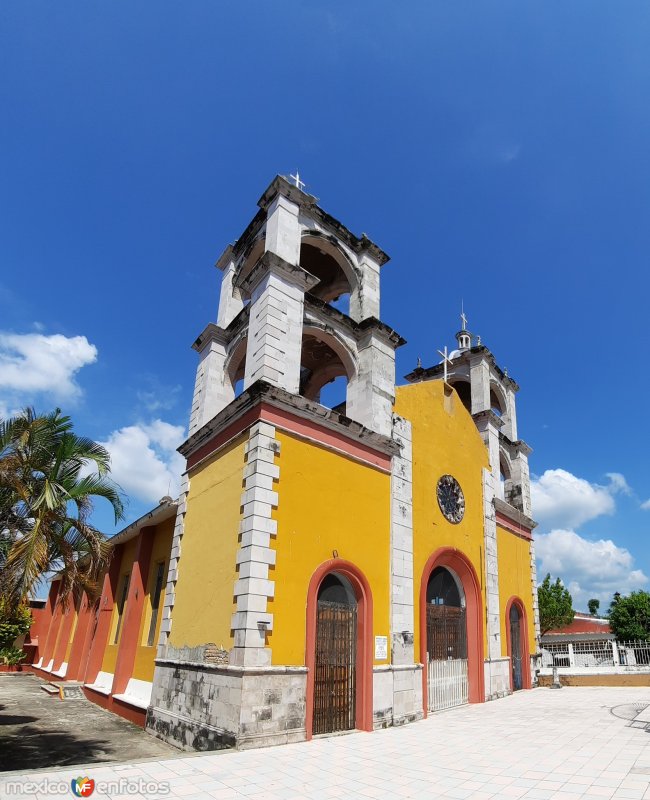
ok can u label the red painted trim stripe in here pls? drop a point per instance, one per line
(325, 436)
(514, 527)
(291, 423)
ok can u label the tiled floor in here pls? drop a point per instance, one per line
(539, 745)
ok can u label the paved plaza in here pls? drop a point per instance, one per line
(541, 745)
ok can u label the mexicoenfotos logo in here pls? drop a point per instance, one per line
(85, 787)
(82, 787)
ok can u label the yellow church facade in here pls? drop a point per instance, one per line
(324, 568)
(337, 568)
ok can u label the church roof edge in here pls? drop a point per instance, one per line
(309, 204)
(422, 373)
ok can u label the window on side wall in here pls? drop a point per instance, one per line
(155, 602)
(121, 606)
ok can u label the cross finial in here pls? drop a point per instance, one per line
(463, 316)
(296, 179)
(445, 360)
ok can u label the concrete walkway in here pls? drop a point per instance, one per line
(539, 745)
(38, 730)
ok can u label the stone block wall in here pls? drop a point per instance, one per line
(497, 678)
(200, 706)
(397, 695)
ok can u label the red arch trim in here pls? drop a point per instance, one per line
(526, 680)
(454, 560)
(364, 640)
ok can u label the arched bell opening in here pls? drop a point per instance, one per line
(236, 367)
(336, 279)
(326, 367)
(506, 483)
(464, 391)
(497, 401)
(505, 476)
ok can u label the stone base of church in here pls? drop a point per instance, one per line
(397, 695)
(497, 678)
(198, 706)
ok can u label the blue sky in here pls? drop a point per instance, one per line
(497, 151)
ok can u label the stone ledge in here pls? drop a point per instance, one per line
(232, 669)
(262, 392)
(397, 667)
(513, 514)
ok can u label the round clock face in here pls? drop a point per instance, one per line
(450, 498)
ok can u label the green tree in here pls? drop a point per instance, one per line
(49, 479)
(593, 606)
(555, 605)
(14, 622)
(629, 617)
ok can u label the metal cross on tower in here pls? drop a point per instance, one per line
(445, 360)
(463, 316)
(296, 179)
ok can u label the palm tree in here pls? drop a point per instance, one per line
(49, 478)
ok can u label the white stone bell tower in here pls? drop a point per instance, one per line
(488, 393)
(277, 322)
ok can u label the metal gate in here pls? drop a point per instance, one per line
(448, 683)
(515, 648)
(335, 667)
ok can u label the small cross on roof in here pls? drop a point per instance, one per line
(296, 179)
(445, 360)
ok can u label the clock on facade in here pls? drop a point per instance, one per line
(451, 498)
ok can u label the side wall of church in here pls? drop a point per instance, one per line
(112, 647)
(204, 604)
(327, 502)
(143, 667)
(445, 441)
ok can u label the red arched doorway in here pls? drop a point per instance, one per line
(350, 579)
(469, 600)
(518, 648)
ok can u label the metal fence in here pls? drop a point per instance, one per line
(599, 653)
(448, 685)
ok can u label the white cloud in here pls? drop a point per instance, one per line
(646, 506)
(144, 461)
(588, 569)
(32, 363)
(618, 484)
(563, 500)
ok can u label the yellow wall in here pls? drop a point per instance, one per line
(326, 502)
(204, 593)
(73, 610)
(126, 564)
(445, 441)
(144, 656)
(514, 580)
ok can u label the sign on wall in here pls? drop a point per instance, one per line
(381, 648)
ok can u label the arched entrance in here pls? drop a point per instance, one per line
(339, 654)
(518, 651)
(446, 641)
(451, 632)
(336, 656)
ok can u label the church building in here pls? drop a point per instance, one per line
(327, 569)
